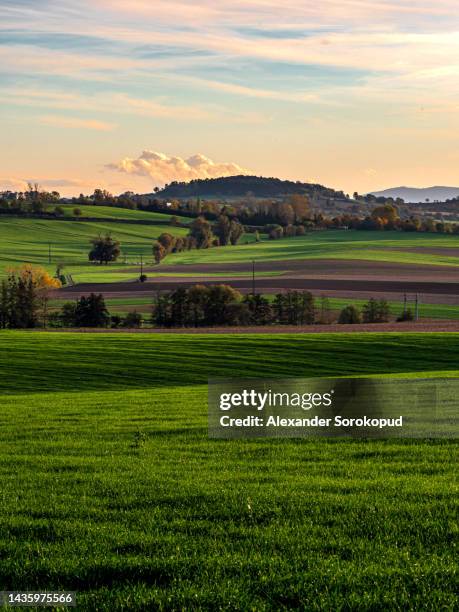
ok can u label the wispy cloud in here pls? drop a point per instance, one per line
(116, 103)
(75, 123)
(295, 72)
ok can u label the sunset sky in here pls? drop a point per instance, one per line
(129, 94)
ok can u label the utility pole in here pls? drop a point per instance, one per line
(416, 315)
(404, 304)
(141, 265)
(253, 277)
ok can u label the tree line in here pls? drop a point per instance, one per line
(202, 235)
(25, 294)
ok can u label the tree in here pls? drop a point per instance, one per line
(77, 212)
(67, 314)
(222, 229)
(91, 311)
(158, 252)
(259, 308)
(350, 315)
(294, 308)
(59, 211)
(376, 311)
(167, 241)
(24, 297)
(218, 299)
(201, 231)
(286, 214)
(388, 213)
(105, 249)
(301, 206)
(324, 310)
(236, 231)
(160, 315)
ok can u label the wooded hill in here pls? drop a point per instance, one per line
(245, 186)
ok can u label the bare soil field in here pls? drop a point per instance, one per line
(322, 268)
(348, 279)
(268, 285)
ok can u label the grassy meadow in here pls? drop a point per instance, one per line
(111, 487)
(24, 240)
(332, 244)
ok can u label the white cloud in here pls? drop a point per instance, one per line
(164, 169)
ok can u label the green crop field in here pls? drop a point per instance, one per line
(111, 487)
(29, 240)
(37, 241)
(112, 212)
(332, 244)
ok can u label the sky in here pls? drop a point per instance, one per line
(358, 95)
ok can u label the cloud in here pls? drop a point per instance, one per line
(74, 123)
(12, 184)
(21, 184)
(123, 104)
(164, 169)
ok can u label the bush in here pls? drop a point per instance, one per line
(406, 316)
(143, 278)
(133, 319)
(350, 315)
(115, 321)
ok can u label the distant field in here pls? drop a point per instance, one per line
(28, 241)
(332, 244)
(112, 488)
(112, 212)
(426, 311)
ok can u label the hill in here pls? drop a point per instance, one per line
(413, 194)
(242, 186)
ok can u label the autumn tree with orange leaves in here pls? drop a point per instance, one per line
(24, 297)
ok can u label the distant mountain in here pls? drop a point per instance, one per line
(411, 194)
(242, 186)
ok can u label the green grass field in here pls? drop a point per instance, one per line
(112, 212)
(111, 487)
(25, 240)
(331, 244)
(28, 241)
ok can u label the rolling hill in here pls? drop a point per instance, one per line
(241, 186)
